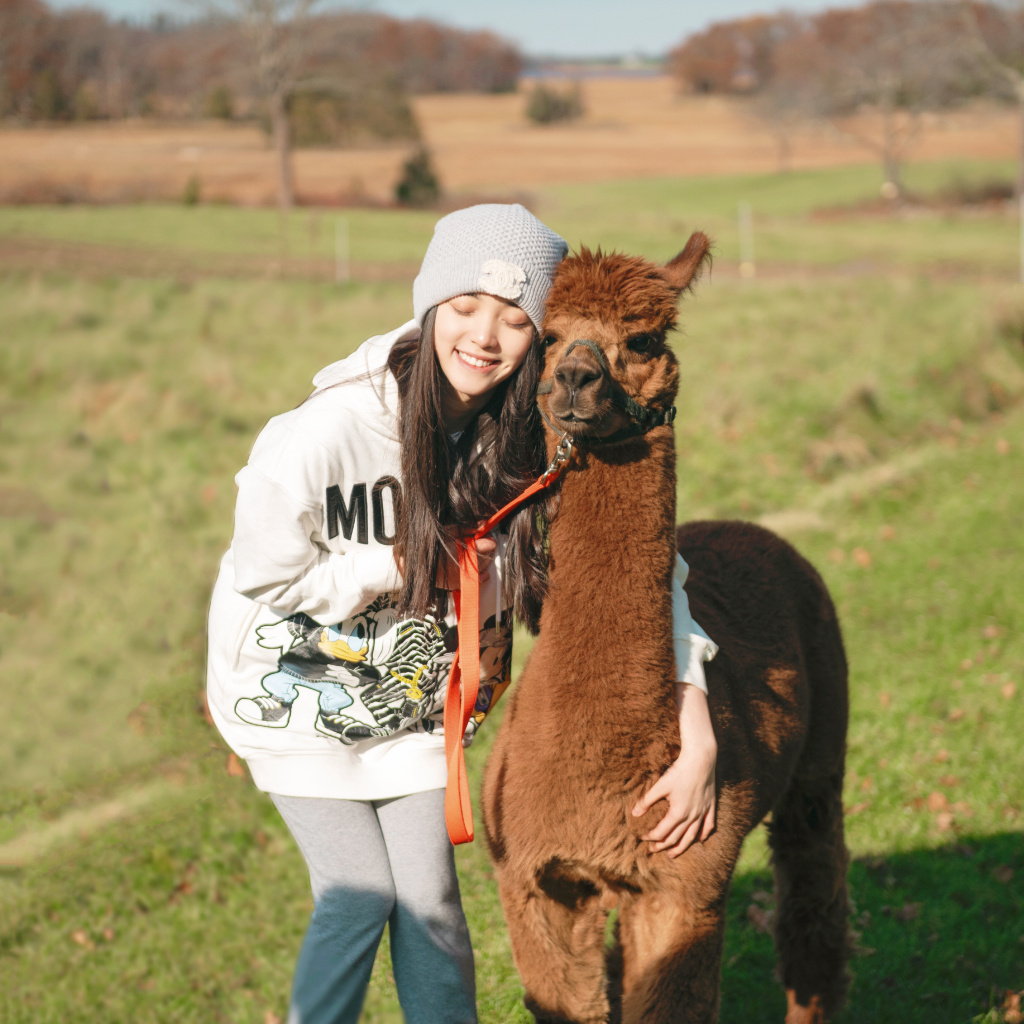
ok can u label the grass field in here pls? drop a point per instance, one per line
(870, 412)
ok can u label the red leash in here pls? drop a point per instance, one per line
(460, 699)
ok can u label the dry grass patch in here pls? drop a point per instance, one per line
(482, 144)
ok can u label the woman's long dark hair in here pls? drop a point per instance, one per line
(449, 488)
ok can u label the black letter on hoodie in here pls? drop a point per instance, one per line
(353, 514)
(388, 483)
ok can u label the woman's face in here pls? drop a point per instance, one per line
(480, 341)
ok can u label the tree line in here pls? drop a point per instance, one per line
(891, 59)
(79, 64)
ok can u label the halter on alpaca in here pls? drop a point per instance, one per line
(644, 418)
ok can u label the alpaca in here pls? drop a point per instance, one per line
(592, 723)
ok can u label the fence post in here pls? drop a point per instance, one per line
(745, 216)
(342, 268)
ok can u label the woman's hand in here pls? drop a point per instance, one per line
(448, 570)
(689, 784)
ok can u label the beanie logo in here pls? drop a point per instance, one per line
(503, 279)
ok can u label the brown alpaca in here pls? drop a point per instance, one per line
(592, 723)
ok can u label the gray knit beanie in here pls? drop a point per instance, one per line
(493, 248)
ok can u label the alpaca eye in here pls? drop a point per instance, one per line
(640, 343)
(549, 340)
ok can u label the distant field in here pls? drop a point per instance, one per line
(864, 396)
(482, 145)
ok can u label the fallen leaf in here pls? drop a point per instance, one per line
(81, 938)
(108, 934)
(944, 821)
(956, 714)
(962, 807)
(1008, 690)
(886, 532)
(1002, 446)
(208, 494)
(271, 1018)
(138, 719)
(1011, 1008)
(991, 632)
(1003, 873)
(862, 557)
(934, 563)
(885, 700)
(908, 912)
(866, 784)
(760, 918)
(858, 808)
(937, 801)
(883, 763)
(204, 706)
(949, 781)
(234, 766)
(966, 664)
(837, 555)
(941, 757)
(957, 684)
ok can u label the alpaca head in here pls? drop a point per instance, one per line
(625, 306)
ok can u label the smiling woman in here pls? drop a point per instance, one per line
(480, 341)
(331, 643)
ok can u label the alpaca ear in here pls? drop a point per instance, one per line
(683, 270)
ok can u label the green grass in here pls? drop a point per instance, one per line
(878, 416)
(652, 216)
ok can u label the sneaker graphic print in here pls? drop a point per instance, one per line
(373, 674)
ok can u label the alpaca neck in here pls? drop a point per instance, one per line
(612, 553)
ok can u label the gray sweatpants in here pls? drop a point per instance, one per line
(371, 864)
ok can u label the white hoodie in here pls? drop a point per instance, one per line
(312, 677)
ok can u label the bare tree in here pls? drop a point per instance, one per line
(995, 35)
(277, 38)
(871, 72)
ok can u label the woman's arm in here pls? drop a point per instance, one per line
(278, 561)
(689, 784)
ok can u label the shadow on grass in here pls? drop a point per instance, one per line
(941, 936)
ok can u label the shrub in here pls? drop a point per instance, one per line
(418, 185)
(48, 100)
(219, 103)
(349, 116)
(547, 106)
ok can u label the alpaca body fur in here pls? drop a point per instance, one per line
(593, 722)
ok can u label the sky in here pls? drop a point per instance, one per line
(566, 28)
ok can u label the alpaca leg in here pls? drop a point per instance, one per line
(810, 858)
(671, 960)
(557, 940)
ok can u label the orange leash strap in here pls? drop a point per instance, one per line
(464, 681)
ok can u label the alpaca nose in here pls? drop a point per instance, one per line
(576, 374)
